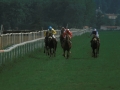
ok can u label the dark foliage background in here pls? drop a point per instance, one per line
(39, 14)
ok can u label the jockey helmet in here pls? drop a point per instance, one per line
(94, 29)
(50, 28)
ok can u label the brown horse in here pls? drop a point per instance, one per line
(95, 46)
(61, 39)
(66, 45)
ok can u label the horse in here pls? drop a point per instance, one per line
(61, 39)
(46, 47)
(52, 44)
(66, 45)
(95, 46)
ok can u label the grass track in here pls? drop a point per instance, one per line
(80, 72)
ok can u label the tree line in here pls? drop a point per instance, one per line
(109, 6)
(39, 14)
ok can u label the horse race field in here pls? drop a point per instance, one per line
(81, 71)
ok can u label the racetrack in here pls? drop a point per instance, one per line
(81, 71)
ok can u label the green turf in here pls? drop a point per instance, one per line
(36, 71)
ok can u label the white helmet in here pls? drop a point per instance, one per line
(94, 29)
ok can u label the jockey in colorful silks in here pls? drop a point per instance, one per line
(95, 34)
(50, 30)
(67, 32)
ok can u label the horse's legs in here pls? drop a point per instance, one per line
(54, 51)
(93, 52)
(68, 52)
(49, 52)
(63, 52)
(98, 48)
(46, 50)
(96, 52)
(55, 46)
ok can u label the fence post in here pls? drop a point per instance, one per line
(1, 32)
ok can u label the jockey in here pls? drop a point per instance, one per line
(95, 34)
(67, 32)
(52, 31)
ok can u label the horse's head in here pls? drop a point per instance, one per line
(67, 37)
(67, 42)
(95, 40)
(50, 38)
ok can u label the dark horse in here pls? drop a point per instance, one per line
(66, 45)
(95, 46)
(52, 44)
(46, 47)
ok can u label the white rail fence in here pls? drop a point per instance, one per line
(9, 39)
(20, 49)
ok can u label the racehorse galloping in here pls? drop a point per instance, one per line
(61, 40)
(95, 46)
(46, 47)
(66, 45)
(52, 45)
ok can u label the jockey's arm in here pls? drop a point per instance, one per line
(92, 33)
(70, 33)
(53, 31)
